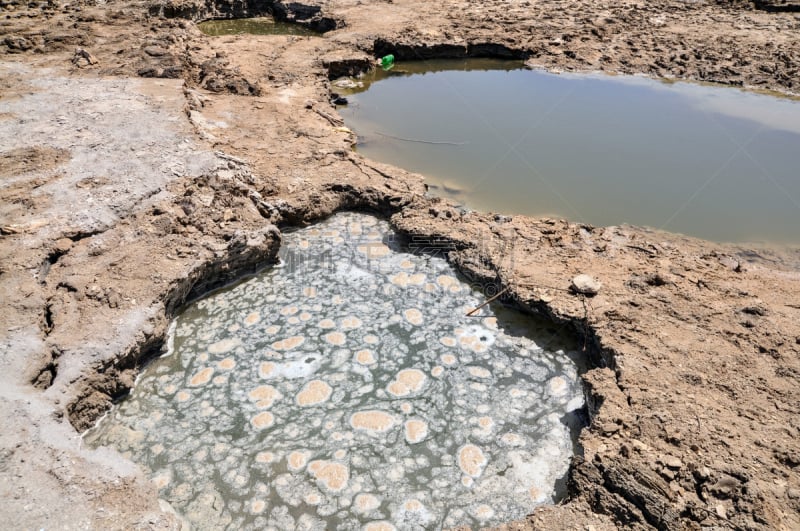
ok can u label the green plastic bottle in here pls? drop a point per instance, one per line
(387, 61)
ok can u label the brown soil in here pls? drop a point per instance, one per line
(131, 184)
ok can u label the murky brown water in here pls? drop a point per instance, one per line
(708, 161)
(253, 26)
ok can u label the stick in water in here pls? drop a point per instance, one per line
(488, 301)
(422, 141)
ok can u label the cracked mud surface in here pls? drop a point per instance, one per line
(167, 168)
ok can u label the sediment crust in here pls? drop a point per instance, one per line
(694, 345)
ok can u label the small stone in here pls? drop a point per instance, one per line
(793, 493)
(672, 462)
(639, 446)
(62, 245)
(155, 51)
(609, 427)
(345, 83)
(731, 263)
(585, 285)
(721, 512)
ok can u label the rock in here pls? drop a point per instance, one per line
(338, 99)
(731, 263)
(149, 71)
(671, 462)
(155, 51)
(609, 427)
(82, 57)
(702, 473)
(62, 245)
(585, 285)
(346, 83)
(17, 44)
(721, 512)
(349, 66)
(724, 487)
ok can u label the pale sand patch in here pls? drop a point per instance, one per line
(373, 421)
(227, 364)
(263, 420)
(335, 338)
(252, 318)
(351, 322)
(333, 476)
(479, 372)
(310, 292)
(446, 281)
(225, 345)
(374, 250)
(265, 457)
(202, 377)
(288, 343)
(297, 460)
(314, 392)
(471, 460)
(413, 316)
(416, 279)
(400, 279)
(449, 359)
(365, 503)
(406, 382)
(416, 430)
(365, 357)
(266, 369)
(265, 395)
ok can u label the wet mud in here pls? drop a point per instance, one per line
(162, 163)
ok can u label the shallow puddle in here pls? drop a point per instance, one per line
(346, 389)
(709, 161)
(253, 26)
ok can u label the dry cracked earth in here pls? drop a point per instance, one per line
(143, 164)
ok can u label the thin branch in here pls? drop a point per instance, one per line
(418, 141)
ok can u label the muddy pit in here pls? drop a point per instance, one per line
(299, 399)
(707, 161)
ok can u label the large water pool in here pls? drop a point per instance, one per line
(709, 161)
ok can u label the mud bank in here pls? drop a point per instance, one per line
(114, 214)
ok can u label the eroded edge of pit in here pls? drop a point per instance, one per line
(109, 381)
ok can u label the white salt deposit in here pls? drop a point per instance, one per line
(346, 389)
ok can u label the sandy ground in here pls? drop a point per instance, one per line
(170, 164)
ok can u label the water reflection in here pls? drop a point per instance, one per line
(717, 163)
